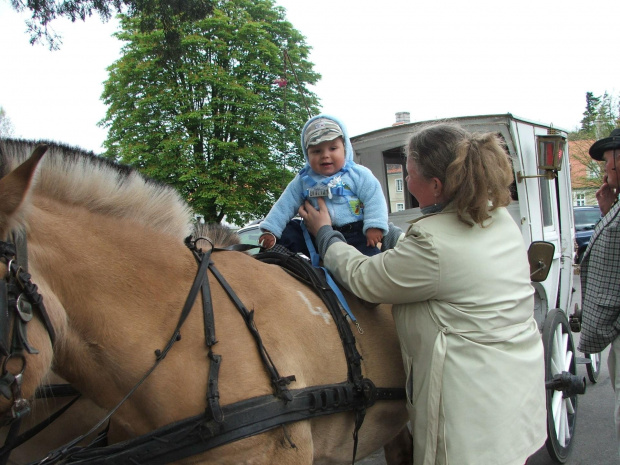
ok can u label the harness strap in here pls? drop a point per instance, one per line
(32, 432)
(315, 259)
(243, 419)
(207, 313)
(213, 393)
(279, 383)
(303, 271)
(323, 284)
(10, 441)
(21, 252)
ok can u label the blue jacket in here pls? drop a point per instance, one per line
(362, 200)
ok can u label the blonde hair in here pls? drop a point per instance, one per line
(474, 169)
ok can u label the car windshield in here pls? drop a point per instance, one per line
(586, 218)
(250, 235)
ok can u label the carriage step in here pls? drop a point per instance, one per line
(583, 361)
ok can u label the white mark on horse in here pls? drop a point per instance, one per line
(315, 310)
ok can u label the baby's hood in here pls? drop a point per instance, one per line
(345, 135)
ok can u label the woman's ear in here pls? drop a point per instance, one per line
(437, 187)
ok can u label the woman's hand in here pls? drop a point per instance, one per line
(315, 219)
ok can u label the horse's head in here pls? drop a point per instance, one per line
(25, 330)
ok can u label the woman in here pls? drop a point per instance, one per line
(463, 303)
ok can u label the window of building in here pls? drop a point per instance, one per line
(399, 185)
(593, 171)
(580, 200)
(400, 207)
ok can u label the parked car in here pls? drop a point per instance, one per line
(585, 220)
(250, 234)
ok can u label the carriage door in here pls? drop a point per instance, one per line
(551, 232)
(555, 230)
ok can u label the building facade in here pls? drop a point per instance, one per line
(586, 174)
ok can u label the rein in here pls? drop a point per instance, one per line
(220, 425)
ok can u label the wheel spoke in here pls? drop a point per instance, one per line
(568, 359)
(556, 408)
(568, 354)
(566, 435)
(557, 354)
(563, 425)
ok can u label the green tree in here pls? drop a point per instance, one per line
(608, 116)
(590, 115)
(6, 128)
(205, 112)
(601, 116)
(45, 11)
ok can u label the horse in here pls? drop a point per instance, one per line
(107, 250)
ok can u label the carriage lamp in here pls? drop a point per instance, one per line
(550, 148)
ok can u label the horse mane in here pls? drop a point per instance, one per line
(78, 177)
(219, 235)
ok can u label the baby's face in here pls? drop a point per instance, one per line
(328, 157)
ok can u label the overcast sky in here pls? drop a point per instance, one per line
(435, 59)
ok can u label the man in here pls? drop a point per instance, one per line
(600, 270)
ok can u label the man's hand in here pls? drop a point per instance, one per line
(606, 196)
(373, 237)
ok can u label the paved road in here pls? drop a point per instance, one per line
(594, 440)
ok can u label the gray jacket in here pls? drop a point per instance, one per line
(600, 285)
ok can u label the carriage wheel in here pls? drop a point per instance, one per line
(561, 410)
(594, 367)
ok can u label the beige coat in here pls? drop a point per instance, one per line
(472, 351)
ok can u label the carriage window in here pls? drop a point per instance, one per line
(399, 198)
(545, 198)
(394, 175)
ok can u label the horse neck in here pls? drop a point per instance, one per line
(105, 280)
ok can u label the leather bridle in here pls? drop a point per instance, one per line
(19, 299)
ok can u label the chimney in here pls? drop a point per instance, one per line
(402, 117)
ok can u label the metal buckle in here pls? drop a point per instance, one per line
(319, 191)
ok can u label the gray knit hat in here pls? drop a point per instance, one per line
(321, 130)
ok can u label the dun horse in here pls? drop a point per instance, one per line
(106, 250)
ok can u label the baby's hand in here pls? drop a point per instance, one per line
(373, 237)
(267, 240)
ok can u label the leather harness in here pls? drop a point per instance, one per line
(221, 425)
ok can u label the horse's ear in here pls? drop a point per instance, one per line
(15, 185)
